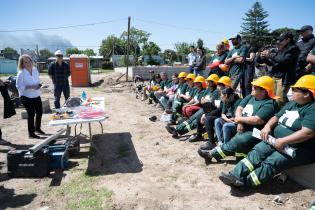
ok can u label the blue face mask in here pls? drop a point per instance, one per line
(290, 94)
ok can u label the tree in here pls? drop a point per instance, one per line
(110, 45)
(45, 53)
(89, 52)
(169, 55)
(200, 43)
(150, 49)
(275, 33)
(137, 39)
(182, 49)
(10, 53)
(255, 27)
(70, 51)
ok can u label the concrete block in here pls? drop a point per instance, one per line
(303, 175)
(24, 115)
(46, 105)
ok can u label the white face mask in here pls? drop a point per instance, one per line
(290, 94)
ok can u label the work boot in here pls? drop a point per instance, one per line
(230, 180)
(207, 146)
(195, 137)
(150, 101)
(33, 136)
(172, 131)
(40, 131)
(206, 155)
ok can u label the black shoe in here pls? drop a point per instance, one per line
(171, 122)
(172, 131)
(153, 118)
(207, 146)
(181, 120)
(206, 155)
(33, 136)
(195, 137)
(40, 132)
(230, 180)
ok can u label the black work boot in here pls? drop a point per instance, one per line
(230, 180)
(195, 137)
(206, 155)
(207, 146)
(172, 131)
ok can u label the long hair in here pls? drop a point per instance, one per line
(20, 62)
(231, 96)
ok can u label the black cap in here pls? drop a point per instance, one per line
(236, 37)
(284, 36)
(305, 28)
(228, 91)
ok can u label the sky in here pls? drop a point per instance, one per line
(168, 21)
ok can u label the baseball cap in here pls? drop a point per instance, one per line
(305, 28)
(284, 36)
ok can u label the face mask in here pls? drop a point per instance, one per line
(290, 94)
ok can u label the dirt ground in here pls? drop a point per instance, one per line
(136, 165)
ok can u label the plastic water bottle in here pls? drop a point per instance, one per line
(83, 96)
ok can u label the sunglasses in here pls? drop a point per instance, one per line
(60, 56)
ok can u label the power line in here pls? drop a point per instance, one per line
(62, 27)
(178, 27)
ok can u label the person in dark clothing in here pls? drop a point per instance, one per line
(200, 63)
(59, 72)
(249, 70)
(283, 64)
(305, 44)
(8, 106)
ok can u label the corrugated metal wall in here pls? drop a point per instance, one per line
(8, 66)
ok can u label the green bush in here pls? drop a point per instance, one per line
(107, 65)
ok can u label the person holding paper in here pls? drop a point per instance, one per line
(293, 125)
(253, 111)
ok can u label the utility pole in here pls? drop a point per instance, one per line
(128, 40)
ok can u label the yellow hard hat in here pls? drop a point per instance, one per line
(267, 83)
(213, 77)
(182, 75)
(200, 79)
(225, 80)
(190, 76)
(307, 82)
(225, 41)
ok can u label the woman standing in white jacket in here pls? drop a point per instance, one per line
(28, 84)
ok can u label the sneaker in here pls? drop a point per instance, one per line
(207, 146)
(206, 155)
(230, 180)
(33, 136)
(195, 137)
(172, 131)
(40, 132)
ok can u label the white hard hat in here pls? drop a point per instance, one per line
(58, 52)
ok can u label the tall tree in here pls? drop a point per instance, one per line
(138, 38)
(255, 27)
(110, 45)
(182, 49)
(200, 43)
(10, 53)
(169, 55)
(45, 53)
(89, 52)
(150, 49)
(71, 51)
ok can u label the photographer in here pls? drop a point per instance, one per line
(283, 64)
(305, 44)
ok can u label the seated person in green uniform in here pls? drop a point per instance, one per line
(154, 85)
(181, 95)
(211, 93)
(167, 100)
(292, 126)
(164, 84)
(254, 111)
(225, 127)
(207, 120)
(217, 59)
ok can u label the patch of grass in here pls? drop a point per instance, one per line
(82, 193)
